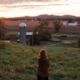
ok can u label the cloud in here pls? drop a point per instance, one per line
(12, 8)
(27, 5)
(19, 1)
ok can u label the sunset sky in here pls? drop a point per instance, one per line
(16, 8)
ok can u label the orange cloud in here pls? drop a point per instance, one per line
(37, 7)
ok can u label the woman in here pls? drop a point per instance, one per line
(43, 64)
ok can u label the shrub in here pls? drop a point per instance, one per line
(2, 44)
(3, 30)
(79, 43)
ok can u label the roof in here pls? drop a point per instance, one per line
(27, 33)
(22, 24)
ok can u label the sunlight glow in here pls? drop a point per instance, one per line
(61, 7)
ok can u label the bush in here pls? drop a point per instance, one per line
(2, 44)
(3, 30)
(79, 43)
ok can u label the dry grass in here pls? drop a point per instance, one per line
(19, 62)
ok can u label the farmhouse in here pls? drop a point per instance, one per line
(31, 38)
(72, 24)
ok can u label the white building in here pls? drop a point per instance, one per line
(74, 24)
(27, 33)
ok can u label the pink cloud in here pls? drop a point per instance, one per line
(19, 1)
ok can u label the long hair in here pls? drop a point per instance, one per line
(43, 56)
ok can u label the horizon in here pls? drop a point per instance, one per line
(39, 15)
(21, 8)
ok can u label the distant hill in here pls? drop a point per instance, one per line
(44, 17)
(13, 23)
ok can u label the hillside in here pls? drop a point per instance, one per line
(32, 22)
(19, 62)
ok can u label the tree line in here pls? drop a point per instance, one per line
(44, 33)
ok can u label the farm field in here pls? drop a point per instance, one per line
(27, 26)
(19, 62)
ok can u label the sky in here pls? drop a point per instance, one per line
(17, 8)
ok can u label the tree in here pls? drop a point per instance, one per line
(57, 26)
(79, 43)
(2, 30)
(35, 39)
(43, 30)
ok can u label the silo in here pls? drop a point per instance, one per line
(22, 31)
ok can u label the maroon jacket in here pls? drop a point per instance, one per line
(43, 68)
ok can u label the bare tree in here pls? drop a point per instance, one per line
(57, 26)
(79, 43)
(3, 30)
(43, 31)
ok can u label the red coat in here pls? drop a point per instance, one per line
(43, 68)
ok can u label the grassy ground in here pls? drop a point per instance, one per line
(71, 36)
(12, 33)
(18, 62)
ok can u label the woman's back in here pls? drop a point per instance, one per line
(43, 67)
(43, 64)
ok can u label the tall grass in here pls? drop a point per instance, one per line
(19, 62)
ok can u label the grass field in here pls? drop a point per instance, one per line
(19, 62)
